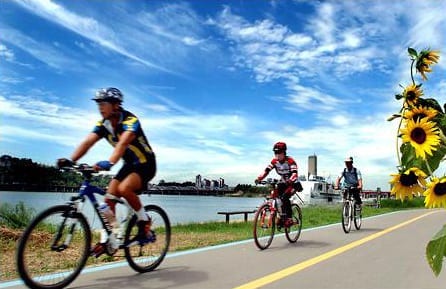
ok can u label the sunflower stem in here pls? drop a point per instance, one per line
(397, 133)
(411, 71)
(429, 168)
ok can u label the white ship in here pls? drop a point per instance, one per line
(318, 190)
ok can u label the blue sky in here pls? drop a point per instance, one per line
(216, 83)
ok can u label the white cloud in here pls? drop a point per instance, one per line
(6, 53)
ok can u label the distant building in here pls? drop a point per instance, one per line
(312, 165)
(198, 181)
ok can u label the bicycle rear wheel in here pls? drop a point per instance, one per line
(293, 232)
(54, 248)
(264, 226)
(346, 217)
(357, 214)
(145, 258)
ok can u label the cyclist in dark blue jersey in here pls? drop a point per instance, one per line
(123, 131)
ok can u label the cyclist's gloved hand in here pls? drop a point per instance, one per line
(64, 163)
(257, 181)
(103, 165)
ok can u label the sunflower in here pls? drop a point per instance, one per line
(422, 134)
(425, 59)
(408, 183)
(411, 94)
(417, 113)
(435, 193)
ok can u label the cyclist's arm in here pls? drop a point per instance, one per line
(293, 170)
(125, 140)
(359, 178)
(360, 184)
(84, 146)
(338, 181)
(269, 168)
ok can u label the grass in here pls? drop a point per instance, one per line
(184, 236)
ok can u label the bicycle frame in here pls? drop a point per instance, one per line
(70, 238)
(353, 214)
(87, 190)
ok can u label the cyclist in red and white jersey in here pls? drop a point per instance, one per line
(286, 167)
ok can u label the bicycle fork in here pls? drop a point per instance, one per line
(68, 215)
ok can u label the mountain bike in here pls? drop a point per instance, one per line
(351, 211)
(270, 216)
(55, 246)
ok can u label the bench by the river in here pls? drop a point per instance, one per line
(229, 213)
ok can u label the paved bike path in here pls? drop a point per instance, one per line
(388, 252)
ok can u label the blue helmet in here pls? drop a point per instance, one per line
(109, 94)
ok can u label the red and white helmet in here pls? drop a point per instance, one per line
(279, 147)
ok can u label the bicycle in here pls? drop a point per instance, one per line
(55, 246)
(351, 211)
(269, 215)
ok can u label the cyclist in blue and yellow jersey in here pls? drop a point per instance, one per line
(123, 131)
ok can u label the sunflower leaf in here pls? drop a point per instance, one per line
(412, 52)
(436, 158)
(436, 250)
(394, 116)
(430, 102)
(441, 121)
(409, 159)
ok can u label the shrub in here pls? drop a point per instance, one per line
(16, 217)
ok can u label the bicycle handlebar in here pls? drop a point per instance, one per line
(85, 169)
(271, 182)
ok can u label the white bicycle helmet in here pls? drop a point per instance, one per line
(109, 94)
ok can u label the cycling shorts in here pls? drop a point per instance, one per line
(146, 171)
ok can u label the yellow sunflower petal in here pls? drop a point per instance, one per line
(423, 135)
(435, 193)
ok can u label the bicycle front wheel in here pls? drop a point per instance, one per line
(346, 217)
(292, 233)
(54, 248)
(145, 258)
(357, 216)
(264, 226)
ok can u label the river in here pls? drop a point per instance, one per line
(180, 209)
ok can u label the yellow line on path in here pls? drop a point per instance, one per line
(300, 266)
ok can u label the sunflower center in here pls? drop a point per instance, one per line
(408, 180)
(418, 135)
(440, 189)
(411, 95)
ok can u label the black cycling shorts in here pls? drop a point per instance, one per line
(146, 171)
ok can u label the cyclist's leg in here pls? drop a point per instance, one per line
(286, 205)
(357, 196)
(127, 189)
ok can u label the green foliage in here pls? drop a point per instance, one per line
(252, 191)
(37, 177)
(16, 217)
(416, 202)
(436, 250)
